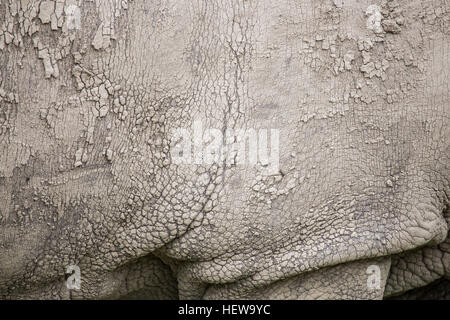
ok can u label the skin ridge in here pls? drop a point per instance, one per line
(86, 170)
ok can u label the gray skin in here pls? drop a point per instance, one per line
(358, 90)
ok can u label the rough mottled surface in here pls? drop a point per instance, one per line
(90, 92)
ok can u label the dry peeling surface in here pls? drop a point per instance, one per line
(91, 90)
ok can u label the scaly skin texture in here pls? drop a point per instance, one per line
(358, 90)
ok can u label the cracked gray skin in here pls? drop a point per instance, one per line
(361, 99)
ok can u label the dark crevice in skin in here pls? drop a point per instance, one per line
(409, 266)
(395, 158)
(446, 213)
(437, 290)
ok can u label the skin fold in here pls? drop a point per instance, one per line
(91, 93)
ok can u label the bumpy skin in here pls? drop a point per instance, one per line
(359, 91)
